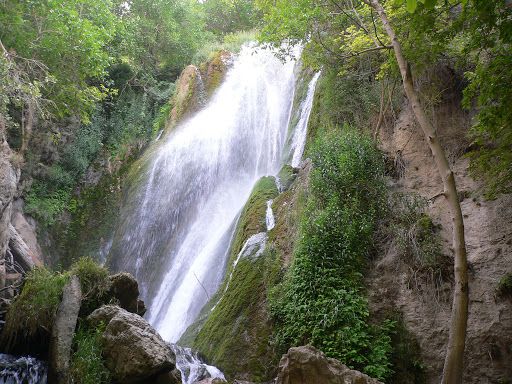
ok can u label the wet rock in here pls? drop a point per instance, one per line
(63, 330)
(210, 381)
(306, 365)
(134, 352)
(125, 289)
(173, 377)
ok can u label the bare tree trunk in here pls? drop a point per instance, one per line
(454, 360)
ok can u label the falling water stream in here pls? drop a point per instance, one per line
(181, 210)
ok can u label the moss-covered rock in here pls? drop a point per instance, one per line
(286, 176)
(252, 218)
(237, 335)
(215, 70)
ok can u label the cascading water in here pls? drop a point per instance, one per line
(301, 129)
(21, 370)
(269, 217)
(191, 366)
(175, 232)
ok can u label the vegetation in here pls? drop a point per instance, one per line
(504, 287)
(87, 365)
(94, 283)
(31, 315)
(322, 300)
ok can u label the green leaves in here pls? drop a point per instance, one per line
(321, 300)
(412, 5)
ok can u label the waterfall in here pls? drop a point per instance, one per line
(180, 213)
(269, 218)
(300, 132)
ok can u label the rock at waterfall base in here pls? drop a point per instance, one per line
(134, 352)
(307, 365)
(125, 289)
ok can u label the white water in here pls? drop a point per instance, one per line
(301, 129)
(269, 218)
(21, 370)
(177, 226)
(252, 249)
(192, 368)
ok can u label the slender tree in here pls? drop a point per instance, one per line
(453, 365)
(347, 13)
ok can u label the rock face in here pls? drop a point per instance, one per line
(8, 181)
(125, 288)
(63, 330)
(488, 230)
(134, 352)
(307, 365)
(26, 228)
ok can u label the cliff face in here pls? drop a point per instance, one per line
(425, 302)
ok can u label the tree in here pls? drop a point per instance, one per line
(306, 18)
(453, 366)
(228, 16)
(70, 38)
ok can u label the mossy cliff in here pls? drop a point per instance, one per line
(237, 334)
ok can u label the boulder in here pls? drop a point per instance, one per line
(134, 352)
(210, 381)
(307, 365)
(125, 289)
(63, 330)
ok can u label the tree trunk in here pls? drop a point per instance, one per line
(453, 364)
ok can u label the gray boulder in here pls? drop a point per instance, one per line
(62, 331)
(307, 365)
(134, 352)
(125, 289)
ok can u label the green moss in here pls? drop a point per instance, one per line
(92, 220)
(237, 335)
(30, 317)
(252, 218)
(287, 175)
(214, 71)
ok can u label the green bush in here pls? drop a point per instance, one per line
(87, 366)
(321, 300)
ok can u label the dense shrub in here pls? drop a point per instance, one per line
(322, 300)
